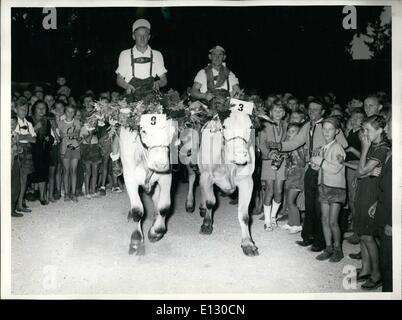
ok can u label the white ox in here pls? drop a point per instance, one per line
(226, 159)
(145, 156)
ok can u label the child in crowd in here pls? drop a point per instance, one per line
(59, 113)
(294, 183)
(332, 188)
(352, 161)
(15, 167)
(69, 129)
(297, 116)
(91, 157)
(273, 177)
(80, 166)
(105, 144)
(374, 150)
(26, 135)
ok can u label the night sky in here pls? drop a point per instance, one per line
(270, 49)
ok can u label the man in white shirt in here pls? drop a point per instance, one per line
(215, 78)
(140, 65)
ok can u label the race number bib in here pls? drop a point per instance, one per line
(153, 120)
(242, 106)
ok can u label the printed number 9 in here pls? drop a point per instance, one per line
(153, 120)
(241, 106)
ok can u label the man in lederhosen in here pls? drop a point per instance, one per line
(140, 65)
(215, 78)
(138, 68)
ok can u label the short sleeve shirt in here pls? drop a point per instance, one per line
(201, 78)
(141, 69)
(378, 152)
(24, 127)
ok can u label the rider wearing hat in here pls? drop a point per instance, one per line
(214, 78)
(140, 65)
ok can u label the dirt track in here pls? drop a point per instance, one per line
(83, 247)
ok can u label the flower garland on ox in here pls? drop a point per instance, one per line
(127, 114)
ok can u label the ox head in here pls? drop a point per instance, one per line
(236, 130)
(156, 134)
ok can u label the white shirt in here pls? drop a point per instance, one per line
(141, 69)
(201, 78)
(24, 123)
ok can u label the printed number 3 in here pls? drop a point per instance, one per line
(240, 107)
(153, 120)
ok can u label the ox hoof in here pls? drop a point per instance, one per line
(203, 211)
(190, 209)
(206, 229)
(250, 250)
(154, 237)
(138, 249)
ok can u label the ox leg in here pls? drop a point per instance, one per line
(245, 191)
(161, 199)
(190, 201)
(208, 196)
(136, 212)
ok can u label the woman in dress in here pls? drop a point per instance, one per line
(41, 148)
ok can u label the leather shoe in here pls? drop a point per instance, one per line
(304, 243)
(316, 248)
(364, 277)
(355, 256)
(370, 284)
(16, 214)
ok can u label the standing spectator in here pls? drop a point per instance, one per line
(383, 215)
(59, 112)
(49, 99)
(80, 166)
(55, 165)
(41, 148)
(372, 105)
(15, 167)
(91, 157)
(332, 188)
(27, 94)
(294, 183)
(70, 151)
(292, 104)
(274, 178)
(27, 135)
(352, 161)
(373, 155)
(311, 134)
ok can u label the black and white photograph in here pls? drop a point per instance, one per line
(201, 150)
